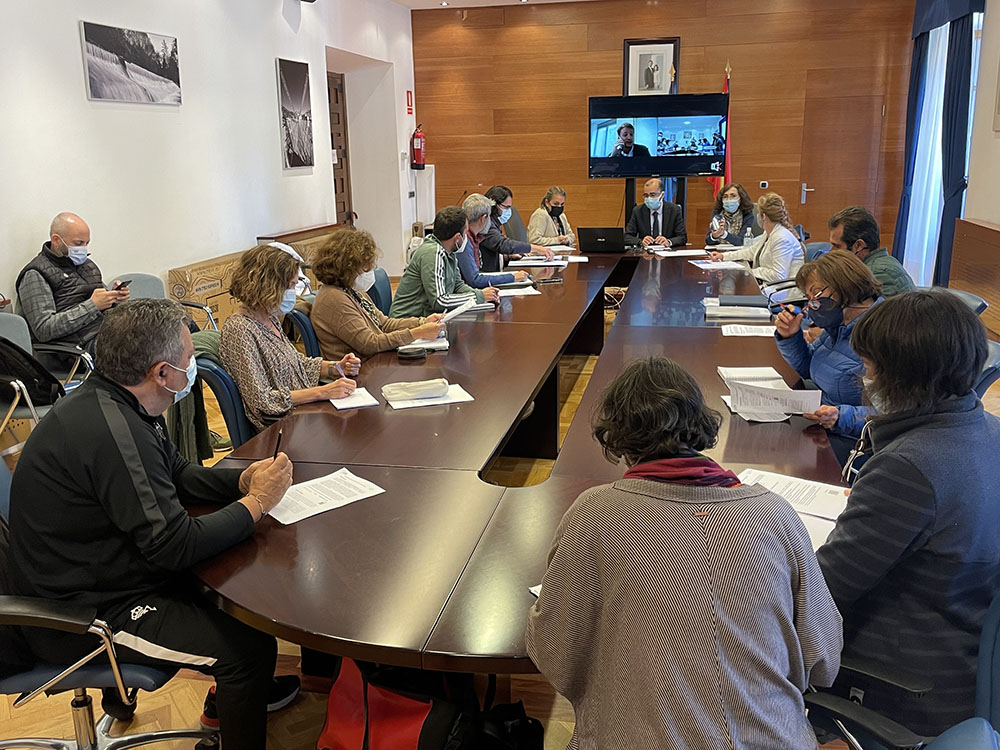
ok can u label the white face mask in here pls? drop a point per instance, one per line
(460, 247)
(365, 281)
(192, 373)
(876, 401)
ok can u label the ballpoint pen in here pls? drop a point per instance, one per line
(277, 444)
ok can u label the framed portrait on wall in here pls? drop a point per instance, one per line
(650, 66)
(295, 108)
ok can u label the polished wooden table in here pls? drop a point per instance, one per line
(434, 572)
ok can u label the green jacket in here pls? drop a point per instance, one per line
(890, 272)
(431, 283)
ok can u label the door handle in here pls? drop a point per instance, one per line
(806, 189)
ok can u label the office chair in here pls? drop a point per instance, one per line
(381, 292)
(14, 328)
(801, 233)
(816, 249)
(127, 679)
(227, 394)
(15, 399)
(303, 325)
(971, 734)
(976, 303)
(147, 286)
(514, 227)
(991, 369)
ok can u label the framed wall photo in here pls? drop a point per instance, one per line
(295, 108)
(124, 65)
(650, 66)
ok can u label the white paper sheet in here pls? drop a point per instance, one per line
(456, 395)
(535, 590)
(440, 344)
(807, 497)
(758, 398)
(524, 291)
(757, 375)
(357, 400)
(755, 416)
(738, 330)
(561, 249)
(465, 306)
(735, 312)
(718, 265)
(537, 263)
(710, 301)
(322, 494)
(664, 252)
(576, 259)
(817, 528)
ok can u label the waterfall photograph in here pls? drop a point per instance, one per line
(296, 113)
(130, 66)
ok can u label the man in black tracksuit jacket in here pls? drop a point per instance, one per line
(98, 519)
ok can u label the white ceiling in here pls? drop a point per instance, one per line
(425, 4)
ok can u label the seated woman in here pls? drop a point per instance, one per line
(681, 609)
(733, 219)
(841, 290)
(914, 559)
(548, 225)
(272, 375)
(477, 209)
(777, 254)
(345, 318)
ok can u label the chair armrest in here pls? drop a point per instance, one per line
(205, 309)
(898, 677)
(30, 611)
(59, 349)
(856, 717)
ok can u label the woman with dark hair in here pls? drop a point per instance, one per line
(733, 219)
(914, 560)
(776, 254)
(681, 609)
(493, 243)
(841, 290)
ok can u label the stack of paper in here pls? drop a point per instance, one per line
(718, 265)
(759, 394)
(324, 493)
(717, 312)
(456, 395)
(736, 330)
(469, 306)
(561, 249)
(524, 291)
(538, 262)
(357, 400)
(817, 504)
(666, 252)
(576, 259)
(440, 344)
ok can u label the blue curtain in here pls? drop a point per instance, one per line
(954, 139)
(914, 106)
(929, 14)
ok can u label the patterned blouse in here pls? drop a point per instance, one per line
(265, 366)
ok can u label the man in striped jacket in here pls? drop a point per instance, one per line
(431, 282)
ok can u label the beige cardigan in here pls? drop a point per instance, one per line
(342, 326)
(542, 229)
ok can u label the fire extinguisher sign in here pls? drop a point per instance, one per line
(409, 102)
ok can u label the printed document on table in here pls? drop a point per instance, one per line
(440, 344)
(524, 291)
(576, 259)
(817, 528)
(738, 330)
(766, 376)
(561, 249)
(752, 397)
(718, 265)
(664, 252)
(541, 262)
(755, 416)
(456, 395)
(322, 494)
(357, 400)
(808, 497)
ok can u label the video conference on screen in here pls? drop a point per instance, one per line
(660, 136)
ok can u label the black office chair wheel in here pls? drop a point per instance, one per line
(113, 706)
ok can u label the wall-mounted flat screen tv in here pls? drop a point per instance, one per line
(678, 135)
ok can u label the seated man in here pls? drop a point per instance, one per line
(60, 292)
(431, 282)
(97, 519)
(656, 222)
(477, 209)
(854, 229)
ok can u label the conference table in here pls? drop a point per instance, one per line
(434, 572)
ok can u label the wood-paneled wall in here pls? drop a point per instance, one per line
(502, 95)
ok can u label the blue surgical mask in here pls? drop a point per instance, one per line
(191, 372)
(78, 254)
(505, 215)
(731, 206)
(287, 301)
(825, 312)
(653, 203)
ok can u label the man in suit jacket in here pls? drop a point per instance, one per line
(656, 222)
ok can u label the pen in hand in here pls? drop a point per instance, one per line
(277, 444)
(339, 369)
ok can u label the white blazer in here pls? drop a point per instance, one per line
(542, 230)
(773, 257)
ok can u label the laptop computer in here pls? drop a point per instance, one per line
(601, 239)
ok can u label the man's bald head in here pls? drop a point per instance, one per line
(67, 230)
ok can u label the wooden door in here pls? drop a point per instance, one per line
(841, 145)
(338, 142)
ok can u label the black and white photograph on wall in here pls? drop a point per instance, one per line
(296, 113)
(650, 66)
(124, 65)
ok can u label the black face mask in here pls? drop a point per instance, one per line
(555, 211)
(825, 312)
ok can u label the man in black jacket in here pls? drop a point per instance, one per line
(97, 519)
(656, 221)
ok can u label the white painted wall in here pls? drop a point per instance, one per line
(166, 186)
(984, 161)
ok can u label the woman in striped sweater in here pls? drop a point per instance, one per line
(681, 609)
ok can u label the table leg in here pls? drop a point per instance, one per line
(588, 338)
(537, 435)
